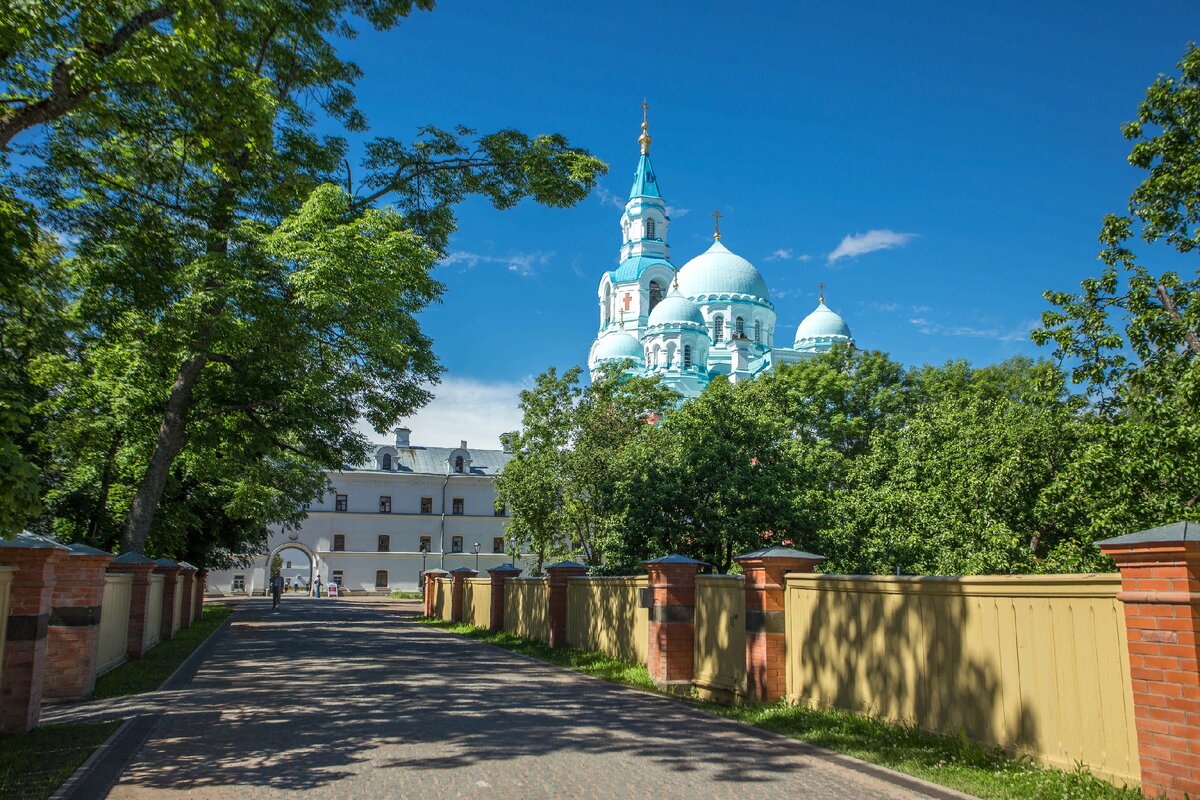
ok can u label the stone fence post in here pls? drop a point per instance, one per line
(139, 567)
(431, 577)
(766, 630)
(1160, 587)
(189, 595)
(670, 656)
(23, 671)
(556, 598)
(458, 581)
(74, 636)
(500, 577)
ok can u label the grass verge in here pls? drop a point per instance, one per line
(945, 760)
(406, 595)
(34, 764)
(148, 672)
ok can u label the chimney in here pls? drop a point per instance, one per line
(463, 444)
(402, 437)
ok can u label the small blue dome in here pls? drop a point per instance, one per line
(618, 346)
(675, 309)
(718, 271)
(821, 329)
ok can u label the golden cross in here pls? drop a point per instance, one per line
(717, 225)
(821, 288)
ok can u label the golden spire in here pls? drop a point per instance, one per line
(622, 322)
(717, 225)
(821, 290)
(675, 282)
(644, 139)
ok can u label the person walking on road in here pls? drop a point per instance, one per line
(276, 590)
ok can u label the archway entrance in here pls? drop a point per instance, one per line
(299, 566)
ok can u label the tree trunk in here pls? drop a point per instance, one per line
(171, 438)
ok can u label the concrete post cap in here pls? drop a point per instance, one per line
(675, 558)
(1175, 533)
(568, 565)
(133, 559)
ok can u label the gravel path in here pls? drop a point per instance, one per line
(334, 699)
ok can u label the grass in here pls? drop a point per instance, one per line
(948, 761)
(406, 595)
(148, 672)
(33, 765)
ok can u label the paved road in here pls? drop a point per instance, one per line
(350, 700)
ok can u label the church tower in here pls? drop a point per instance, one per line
(644, 273)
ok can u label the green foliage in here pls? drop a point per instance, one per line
(237, 302)
(1131, 336)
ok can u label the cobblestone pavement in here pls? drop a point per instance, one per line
(328, 699)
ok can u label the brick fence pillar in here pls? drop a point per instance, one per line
(766, 635)
(23, 671)
(198, 601)
(458, 582)
(1160, 587)
(170, 570)
(500, 576)
(556, 598)
(189, 595)
(73, 641)
(672, 629)
(139, 567)
(431, 578)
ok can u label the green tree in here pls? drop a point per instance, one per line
(276, 564)
(1131, 336)
(238, 311)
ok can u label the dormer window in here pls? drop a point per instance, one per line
(458, 464)
(387, 461)
(649, 229)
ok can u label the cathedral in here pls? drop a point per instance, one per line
(713, 316)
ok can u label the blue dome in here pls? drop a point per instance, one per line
(821, 329)
(717, 271)
(675, 309)
(618, 346)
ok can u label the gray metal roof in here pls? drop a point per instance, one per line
(1185, 531)
(434, 460)
(27, 539)
(778, 551)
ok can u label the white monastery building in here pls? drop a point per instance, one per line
(407, 509)
(711, 317)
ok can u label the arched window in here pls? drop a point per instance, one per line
(687, 356)
(387, 461)
(458, 464)
(718, 328)
(758, 331)
(656, 294)
(739, 328)
(607, 304)
(649, 229)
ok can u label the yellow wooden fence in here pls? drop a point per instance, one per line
(603, 614)
(720, 649)
(154, 613)
(114, 622)
(441, 598)
(1034, 664)
(525, 608)
(477, 602)
(177, 607)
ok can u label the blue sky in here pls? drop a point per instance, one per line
(982, 139)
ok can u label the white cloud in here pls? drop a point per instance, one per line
(887, 308)
(787, 254)
(1020, 333)
(462, 408)
(524, 264)
(609, 199)
(673, 212)
(861, 243)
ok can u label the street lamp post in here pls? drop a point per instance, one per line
(477, 556)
